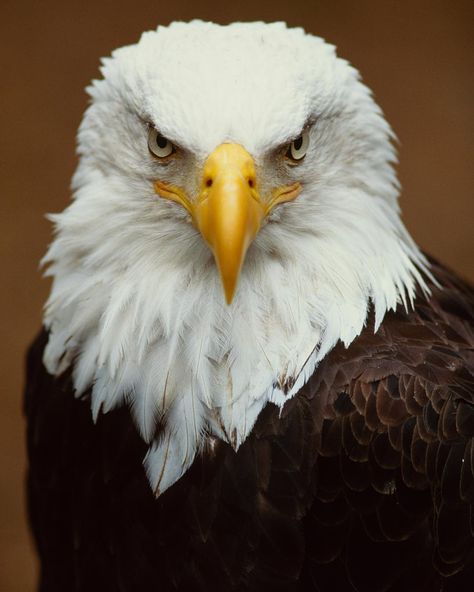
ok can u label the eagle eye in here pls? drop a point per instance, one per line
(159, 145)
(298, 147)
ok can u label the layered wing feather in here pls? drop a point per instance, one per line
(365, 482)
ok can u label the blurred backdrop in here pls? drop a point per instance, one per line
(416, 55)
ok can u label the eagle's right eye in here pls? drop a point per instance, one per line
(159, 145)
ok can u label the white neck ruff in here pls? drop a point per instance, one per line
(158, 335)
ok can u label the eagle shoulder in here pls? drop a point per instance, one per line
(394, 432)
(364, 480)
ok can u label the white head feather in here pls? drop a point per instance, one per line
(136, 304)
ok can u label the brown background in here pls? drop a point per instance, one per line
(416, 55)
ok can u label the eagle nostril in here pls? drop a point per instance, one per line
(251, 182)
(209, 182)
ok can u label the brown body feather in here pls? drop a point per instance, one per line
(364, 483)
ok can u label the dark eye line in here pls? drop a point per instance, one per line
(298, 142)
(161, 141)
(159, 136)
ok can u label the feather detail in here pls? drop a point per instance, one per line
(173, 452)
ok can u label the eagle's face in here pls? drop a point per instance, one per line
(219, 136)
(235, 213)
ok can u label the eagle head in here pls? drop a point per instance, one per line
(234, 216)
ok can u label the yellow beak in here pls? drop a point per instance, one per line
(229, 210)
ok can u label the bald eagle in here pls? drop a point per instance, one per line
(250, 378)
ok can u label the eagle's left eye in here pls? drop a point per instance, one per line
(298, 148)
(158, 144)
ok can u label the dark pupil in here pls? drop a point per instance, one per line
(161, 142)
(298, 143)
